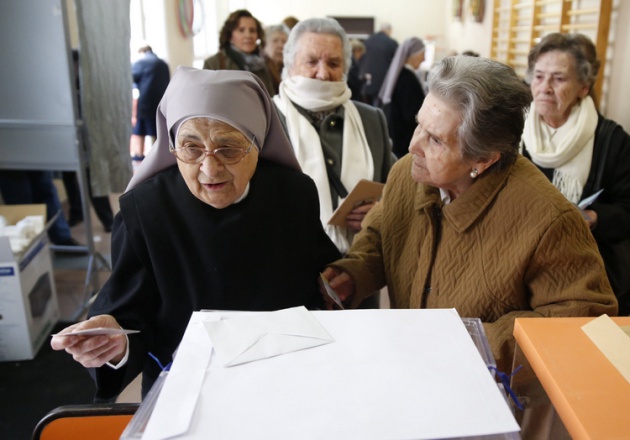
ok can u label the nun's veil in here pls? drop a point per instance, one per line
(235, 97)
(404, 51)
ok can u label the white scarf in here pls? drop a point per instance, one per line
(569, 150)
(356, 159)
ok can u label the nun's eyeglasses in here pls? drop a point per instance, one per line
(225, 155)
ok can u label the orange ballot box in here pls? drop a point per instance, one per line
(580, 374)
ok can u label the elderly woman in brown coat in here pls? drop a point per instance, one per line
(467, 223)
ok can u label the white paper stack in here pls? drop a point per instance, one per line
(21, 234)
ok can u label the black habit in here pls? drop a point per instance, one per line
(174, 254)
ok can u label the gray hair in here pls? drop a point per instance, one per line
(269, 30)
(356, 44)
(581, 49)
(317, 26)
(492, 102)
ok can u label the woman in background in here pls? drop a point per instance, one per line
(401, 94)
(277, 36)
(580, 150)
(240, 42)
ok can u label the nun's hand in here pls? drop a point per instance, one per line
(92, 351)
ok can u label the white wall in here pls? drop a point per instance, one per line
(618, 91)
(162, 32)
(466, 34)
(421, 18)
(417, 18)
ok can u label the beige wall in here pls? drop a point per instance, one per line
(421, 18)
(615, 97)
(417, 18)
(618, 90)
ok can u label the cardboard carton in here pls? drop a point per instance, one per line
(28, 298)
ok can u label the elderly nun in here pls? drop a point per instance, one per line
(401, 94)
(218, 216)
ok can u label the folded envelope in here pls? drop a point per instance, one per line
(238, 340)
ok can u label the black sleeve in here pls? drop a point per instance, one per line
(130, 295)
(613, 206)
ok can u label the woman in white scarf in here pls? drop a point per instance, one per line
(560, 129)
(581, 151)
(316, 61)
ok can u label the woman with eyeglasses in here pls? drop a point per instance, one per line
(580, 150)
(218, 216)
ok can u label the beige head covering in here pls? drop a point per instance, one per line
(235, 97)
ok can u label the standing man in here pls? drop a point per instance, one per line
(379, 52)
(150, 77)
(337, 141)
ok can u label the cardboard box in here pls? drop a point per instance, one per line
(28, 298)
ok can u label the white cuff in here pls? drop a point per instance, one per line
(123, 361)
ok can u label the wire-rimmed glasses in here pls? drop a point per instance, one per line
(225, 155)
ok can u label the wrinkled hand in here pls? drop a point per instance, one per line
(356, 216)
(341, 283)
(92, 351)
(590, 216)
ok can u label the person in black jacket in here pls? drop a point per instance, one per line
(218, 216)
(380, 49)
(150, 77)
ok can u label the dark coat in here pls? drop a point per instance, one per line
(611, 160)
(227, 60)
(173, 254)
(379, 51)
(151, 76)
(401, 112)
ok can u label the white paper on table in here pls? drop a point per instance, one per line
(257, 336)
(389, 374)
(175, 407)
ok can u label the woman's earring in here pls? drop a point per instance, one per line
(474, 173)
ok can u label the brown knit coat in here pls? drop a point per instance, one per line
(510, 246)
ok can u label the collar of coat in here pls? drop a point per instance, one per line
(470, 205)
